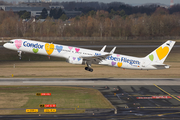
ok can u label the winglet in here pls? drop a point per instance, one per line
(112, 51)
(102, 50)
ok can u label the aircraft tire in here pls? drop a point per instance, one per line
(86, 68)
(91, 70)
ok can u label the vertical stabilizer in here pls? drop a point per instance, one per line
(160, 54)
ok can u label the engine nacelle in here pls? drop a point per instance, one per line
(75, 60)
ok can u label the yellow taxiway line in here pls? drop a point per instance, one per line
(167, 92)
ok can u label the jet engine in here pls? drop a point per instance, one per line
(75, 60)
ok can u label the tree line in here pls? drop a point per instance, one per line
(85, 7)
(98, 23)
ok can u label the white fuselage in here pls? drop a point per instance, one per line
(56, 50)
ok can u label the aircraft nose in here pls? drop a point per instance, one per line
(5, 45)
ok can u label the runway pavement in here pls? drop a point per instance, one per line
(89, 81)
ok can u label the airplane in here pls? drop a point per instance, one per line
(76, 55)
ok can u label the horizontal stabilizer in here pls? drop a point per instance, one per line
(161, 66)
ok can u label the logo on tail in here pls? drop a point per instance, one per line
(160, 54)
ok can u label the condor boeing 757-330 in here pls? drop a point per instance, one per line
(76, 55)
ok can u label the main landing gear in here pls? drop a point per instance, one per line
(88, 68)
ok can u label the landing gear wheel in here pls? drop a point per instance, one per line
(86, 68)
(89, 69)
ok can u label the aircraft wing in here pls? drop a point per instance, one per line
(95, 59)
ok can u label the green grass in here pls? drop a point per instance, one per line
(63, 97)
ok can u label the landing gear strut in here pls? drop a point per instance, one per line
(19, 54)
(88, 68)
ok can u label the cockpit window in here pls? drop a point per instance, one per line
(10, 42)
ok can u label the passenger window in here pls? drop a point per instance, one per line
(10, 42)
